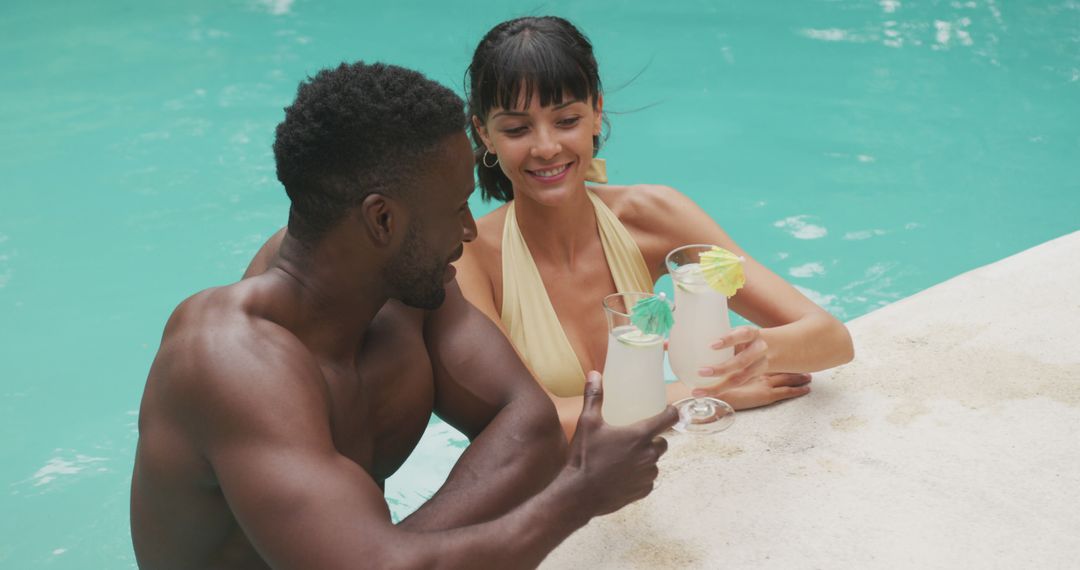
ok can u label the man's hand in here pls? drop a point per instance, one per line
(615, 465)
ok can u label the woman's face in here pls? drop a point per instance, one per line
(544, 151)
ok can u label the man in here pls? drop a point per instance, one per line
(277, 406)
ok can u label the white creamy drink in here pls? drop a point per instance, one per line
(633, 376)
(701, 318)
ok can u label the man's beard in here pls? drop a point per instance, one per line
(416, 278)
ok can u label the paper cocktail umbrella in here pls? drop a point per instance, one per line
(722, 270)
(652, 315)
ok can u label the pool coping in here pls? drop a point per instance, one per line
(948, 442)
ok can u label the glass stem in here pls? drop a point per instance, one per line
(701, 407)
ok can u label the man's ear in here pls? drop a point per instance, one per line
(482, 130)
(382, 217)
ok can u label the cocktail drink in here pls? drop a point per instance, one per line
(634, 367)
(701, 318)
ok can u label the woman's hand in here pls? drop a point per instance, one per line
(766, 389)
(744, 381)
(750, 360)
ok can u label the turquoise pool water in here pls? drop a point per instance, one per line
(864, 149)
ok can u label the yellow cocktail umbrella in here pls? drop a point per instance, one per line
(723, 270)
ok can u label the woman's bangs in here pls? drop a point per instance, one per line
(530, 69)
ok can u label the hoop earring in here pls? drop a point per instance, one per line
(483, 160)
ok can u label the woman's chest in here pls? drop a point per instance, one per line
(577, 299)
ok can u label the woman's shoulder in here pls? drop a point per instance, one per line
(643, 206)
(485, 251)
(479, 269)
(489, 228)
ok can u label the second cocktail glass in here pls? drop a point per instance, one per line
(701, 317)
(634, 367)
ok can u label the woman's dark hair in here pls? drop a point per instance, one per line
(545, 55)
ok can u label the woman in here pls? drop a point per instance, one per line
(543, 260)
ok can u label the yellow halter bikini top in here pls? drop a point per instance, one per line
(528, 314)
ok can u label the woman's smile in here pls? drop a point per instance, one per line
(552, 174)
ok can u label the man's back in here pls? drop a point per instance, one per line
(376, 405)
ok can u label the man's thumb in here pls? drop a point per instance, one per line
(594, 393)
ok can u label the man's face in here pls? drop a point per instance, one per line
(441, 221)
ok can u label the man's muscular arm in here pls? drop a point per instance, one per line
(483, 389)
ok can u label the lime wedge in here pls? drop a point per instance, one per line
(689, 287)
(637, 338)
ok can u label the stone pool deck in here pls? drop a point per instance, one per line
(952, 441)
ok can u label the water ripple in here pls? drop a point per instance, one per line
(275, 7)
(799, 228)
(61, 467)
(807, 270)
(864, 234)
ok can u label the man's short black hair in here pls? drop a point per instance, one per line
(354, 130)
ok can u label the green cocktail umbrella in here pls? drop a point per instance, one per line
(652, 315)
(723, 270)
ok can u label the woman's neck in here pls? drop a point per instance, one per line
(557, 233)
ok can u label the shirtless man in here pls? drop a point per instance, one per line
(277, 406)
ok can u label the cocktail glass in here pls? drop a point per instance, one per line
(701, 317)
(634, 367)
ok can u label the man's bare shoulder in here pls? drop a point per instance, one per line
(222, 358)
(266, 254)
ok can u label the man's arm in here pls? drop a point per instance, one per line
(483, 389)
(303, 505)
